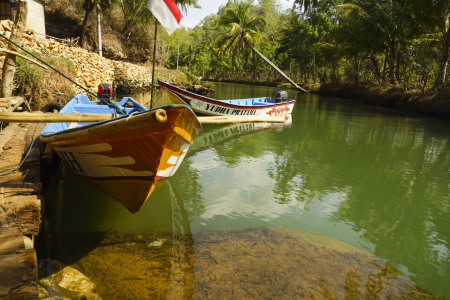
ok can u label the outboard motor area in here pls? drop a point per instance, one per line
(105, 92)
(281, 96)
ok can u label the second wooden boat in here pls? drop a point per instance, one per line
(263, 106)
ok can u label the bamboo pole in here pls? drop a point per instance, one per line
(4, 51)
(39, 117)
(111, 105)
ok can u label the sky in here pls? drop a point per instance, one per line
(193, 16)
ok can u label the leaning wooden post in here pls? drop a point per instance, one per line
(276, 68)
(9, 66)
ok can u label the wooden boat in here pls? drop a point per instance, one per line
(125, 157)
(201, 105)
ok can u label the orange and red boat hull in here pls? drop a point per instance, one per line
(128, 156)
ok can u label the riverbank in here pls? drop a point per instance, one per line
(432, 103)
(90, 69)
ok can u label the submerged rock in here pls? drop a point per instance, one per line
(64, 281)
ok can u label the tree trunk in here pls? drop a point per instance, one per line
(276, 68)
(392, 56)
(442, 74)
(376, 67)
(128, 24)
(9, 66)
(84, 28)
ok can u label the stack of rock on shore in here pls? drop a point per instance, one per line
(90, 67)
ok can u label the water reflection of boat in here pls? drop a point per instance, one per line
(126, 156)
(262, 106)
(214, 134)
(156, 242)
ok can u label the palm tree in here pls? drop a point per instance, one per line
(309, 6)
(244, 30)
(306, 5)
(435, 15)
(383, 27)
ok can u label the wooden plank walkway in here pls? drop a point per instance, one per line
(18, 270)
(20, 209)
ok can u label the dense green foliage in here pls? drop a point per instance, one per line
(389, 42)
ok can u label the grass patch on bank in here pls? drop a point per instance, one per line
(38, 86)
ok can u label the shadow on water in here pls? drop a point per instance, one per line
(91, 246)
(97, 249)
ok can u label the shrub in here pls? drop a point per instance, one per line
(38, 86)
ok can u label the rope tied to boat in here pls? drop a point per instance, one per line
(109, 104)
(24, 159)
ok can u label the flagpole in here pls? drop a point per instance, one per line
(154, 61)
(168, 14)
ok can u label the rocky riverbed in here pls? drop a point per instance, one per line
(264, 263)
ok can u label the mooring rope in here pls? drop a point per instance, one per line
(23, 160)
(109, 104)
(149, 102)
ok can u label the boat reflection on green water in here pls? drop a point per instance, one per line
(115, 254)
(349, 201)
(219, 134)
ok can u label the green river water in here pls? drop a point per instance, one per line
(347, 201)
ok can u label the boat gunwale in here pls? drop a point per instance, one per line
(47, 137)
(179, 91)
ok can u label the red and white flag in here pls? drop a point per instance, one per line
(167, 13)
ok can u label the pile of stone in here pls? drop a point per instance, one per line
(5, 27)
(91, 68)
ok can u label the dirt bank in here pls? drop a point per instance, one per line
(91, 69)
